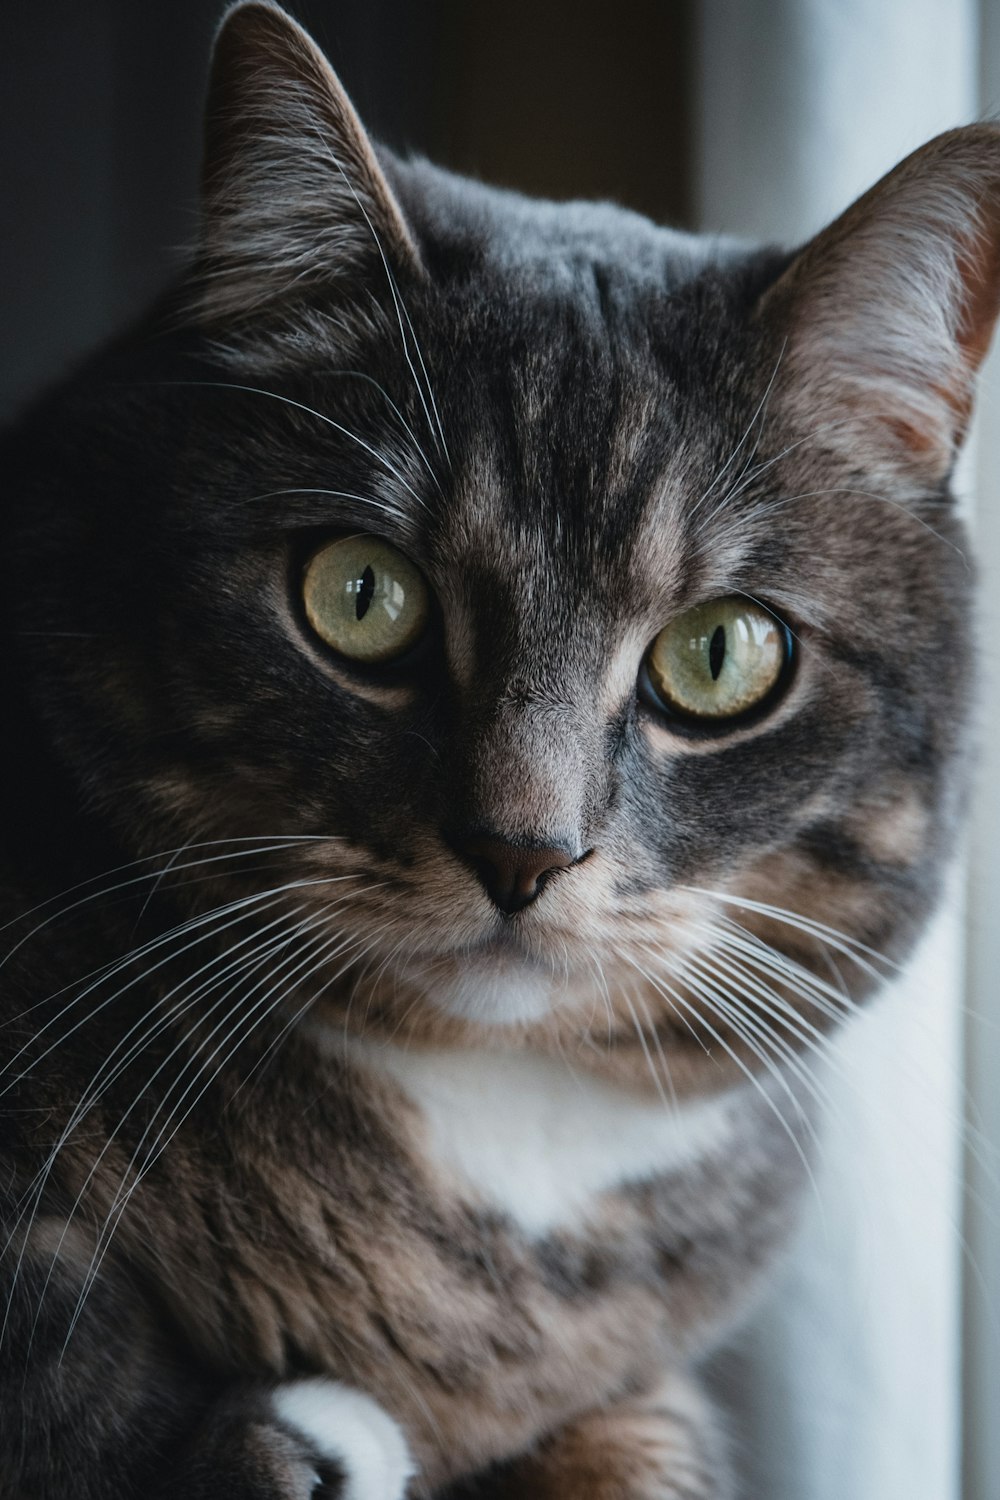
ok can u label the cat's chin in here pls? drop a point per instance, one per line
(494, 991)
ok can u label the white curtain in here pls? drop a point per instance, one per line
(982, 1218)
(853, 1381)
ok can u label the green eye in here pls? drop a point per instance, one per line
(716, 662)
(365, 599)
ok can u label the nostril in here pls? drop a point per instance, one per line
(513, 874)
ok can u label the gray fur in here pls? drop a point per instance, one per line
(577, 426)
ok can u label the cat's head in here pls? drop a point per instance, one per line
(570, 614)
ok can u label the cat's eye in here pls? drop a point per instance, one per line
(364, 599)
(717, 663)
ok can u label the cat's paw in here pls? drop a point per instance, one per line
(351, 1436)
(664, 1446)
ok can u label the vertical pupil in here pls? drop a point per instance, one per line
(365, 591)
(716, 651)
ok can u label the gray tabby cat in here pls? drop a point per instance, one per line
(485, 686)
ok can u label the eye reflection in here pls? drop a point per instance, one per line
(717, 661)
(365, 599)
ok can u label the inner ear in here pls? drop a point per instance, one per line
(886, 315)
(293, 193)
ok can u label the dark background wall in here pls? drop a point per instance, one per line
(100, 104)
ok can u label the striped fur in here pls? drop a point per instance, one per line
(316, 1164)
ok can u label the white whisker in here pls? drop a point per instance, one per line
(399, 306)
(256, 390)
(261, 952)
(232, 1019)
(674, 999)
(276, 843)
(267, 1004)
(761, 409)
(242, 903)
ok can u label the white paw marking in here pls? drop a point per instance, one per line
(528, 1136)
(349, 1428)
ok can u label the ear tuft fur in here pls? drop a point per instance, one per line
(293, 192)
(888, 313)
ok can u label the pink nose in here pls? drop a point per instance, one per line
(513, 874)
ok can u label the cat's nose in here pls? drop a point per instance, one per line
(513, 874)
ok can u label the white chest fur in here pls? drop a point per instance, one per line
(531, 1138)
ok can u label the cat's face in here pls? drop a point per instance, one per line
(414, 572)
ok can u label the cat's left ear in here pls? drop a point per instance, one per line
(886, 315)
(294, 196)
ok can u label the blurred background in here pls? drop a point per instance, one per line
(100, 106)
(873, 1370)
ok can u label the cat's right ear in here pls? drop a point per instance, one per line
(294, 198)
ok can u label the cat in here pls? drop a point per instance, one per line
(486, 685)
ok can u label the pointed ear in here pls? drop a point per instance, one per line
(887, 314)
(294, 196)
